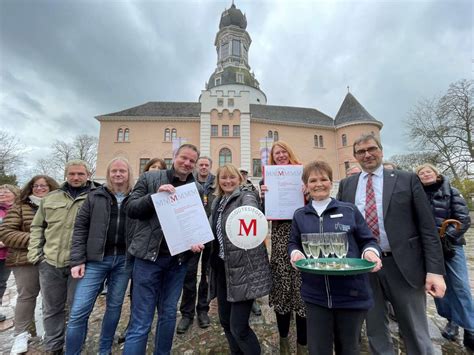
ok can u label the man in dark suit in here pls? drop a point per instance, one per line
(398, 213)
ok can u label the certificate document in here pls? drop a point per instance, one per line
(182, 218)
(285, 190)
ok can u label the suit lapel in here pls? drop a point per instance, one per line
(389, 180)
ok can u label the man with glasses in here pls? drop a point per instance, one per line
(399, 216)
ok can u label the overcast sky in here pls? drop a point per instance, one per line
(62, 62)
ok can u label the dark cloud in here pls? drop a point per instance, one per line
(64, 62)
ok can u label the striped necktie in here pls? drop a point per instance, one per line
(371, 208)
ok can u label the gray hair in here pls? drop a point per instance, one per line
(77, 162)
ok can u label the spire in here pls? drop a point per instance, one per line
(352, 111)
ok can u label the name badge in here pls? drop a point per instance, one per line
(339, 215)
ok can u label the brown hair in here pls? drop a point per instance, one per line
(316, 166)
(153, 162)
(27, 190)
(130, 173)
(230, 169)
(291, 154)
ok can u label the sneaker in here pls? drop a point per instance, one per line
(469, 340)
(451, 331)
(20, 344)
(203, 320)
(2, 317)
(184, 325)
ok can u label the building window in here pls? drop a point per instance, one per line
(321, 142)
(316, 142)
(275, 136)
(270, 134)
(220, 102)
(236, 47)
(126, 135)
(167, 135)
(174, 134)
(169, 163)
(257, 168)
(225, 50)
(217, 81)
(230, 102)
(346, 165)
(344, 140)
(225, 156)
(225, 130)
(236, 130)
(214, 130)
(240, 78)
(120, 135)
(143, 162)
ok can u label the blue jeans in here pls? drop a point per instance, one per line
(116, 270)
(457, 304)
(155, 285)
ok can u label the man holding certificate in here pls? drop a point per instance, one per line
(158, 276)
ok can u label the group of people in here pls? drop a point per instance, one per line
(66, 241)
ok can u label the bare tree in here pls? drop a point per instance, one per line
(82, 147)
(410, 161)
(443, 127)
(11, 150)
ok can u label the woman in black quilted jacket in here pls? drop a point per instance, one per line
(457, 305)
(237, 276)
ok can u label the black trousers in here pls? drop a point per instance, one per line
(188, 300)
(234, 318)
(4, 275)
(338, 328)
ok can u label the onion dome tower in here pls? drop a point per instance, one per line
(232, 45)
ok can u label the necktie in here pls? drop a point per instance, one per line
(371, 208)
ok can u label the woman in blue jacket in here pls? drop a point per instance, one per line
(336, 306)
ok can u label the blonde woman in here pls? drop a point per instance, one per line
(285, 296)
(237, 276)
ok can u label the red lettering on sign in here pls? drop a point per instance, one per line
(252, 225)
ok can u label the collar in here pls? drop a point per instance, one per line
(378, 172)
(172, 178)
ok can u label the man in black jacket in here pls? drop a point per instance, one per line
(157, 276)
(188, 304)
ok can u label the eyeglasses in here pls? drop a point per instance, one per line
(40, 186)
(362, 152)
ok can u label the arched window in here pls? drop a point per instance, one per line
(270, 134)
(275, 136)
(167, 135)
(174, 134)
(225, 156)
(321, 142)
(316, 142)
(344, 140)
(126, 135)
(120, 135)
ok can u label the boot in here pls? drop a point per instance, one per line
(284, 346)
(301, 349)
(469, 340)
(451, 331)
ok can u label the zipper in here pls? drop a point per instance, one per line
(326, 279)
(106, 230)
(117, 225)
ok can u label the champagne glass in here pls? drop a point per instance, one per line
(340, 246)
(315, 242)
(305, 240)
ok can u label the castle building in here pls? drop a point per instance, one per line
(231, 118)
